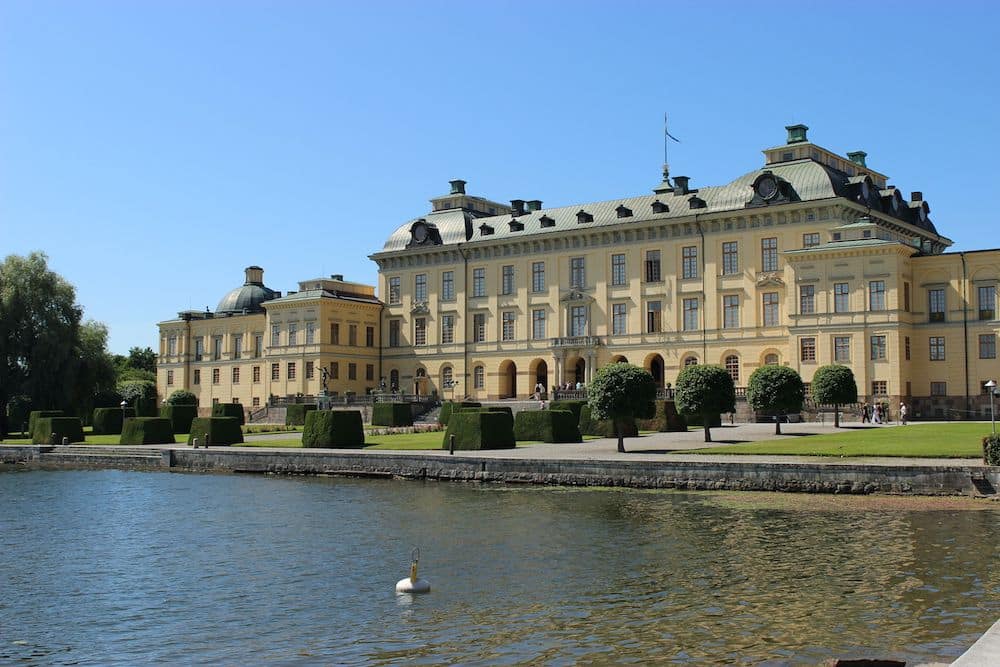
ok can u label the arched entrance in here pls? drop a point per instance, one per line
(539, 372)
(508, 379)
(654, 364)
(394, 380)
(420, 382)
(580, 372)
(619, 359)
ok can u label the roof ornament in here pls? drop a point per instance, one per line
(666, 144)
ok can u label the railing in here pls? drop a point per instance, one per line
(258, 414)
(352, 399)
(577, 341)
(662, 394)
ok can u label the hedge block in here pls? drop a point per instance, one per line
(480, 430)
(605, 428)
(180, 416)
(576, 407)
(666, 418)
(147, 431)
(392, 414)
(333, 428)
(63, 427)
(490, 408)
(448, 407)
(215, 431)
(295, 414)
(229, 410)
(547, 426)
(146, 407)
(34, 415)
(109, 421)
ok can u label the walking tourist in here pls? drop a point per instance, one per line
(902, 414)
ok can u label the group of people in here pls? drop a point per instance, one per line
(879, 413)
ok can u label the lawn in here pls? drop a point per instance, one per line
(956, 440)
(396, 441)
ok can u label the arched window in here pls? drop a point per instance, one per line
(771, 360)
(733, 367)
(446, 377)
(394, 380)
(478, 377)
(421, 373)
(691, 361)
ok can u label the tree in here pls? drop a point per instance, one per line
(620, 392)
(93, 382)
(182, 397)
(834, 385)
(706, 391)
(140, 364)
(776, 390)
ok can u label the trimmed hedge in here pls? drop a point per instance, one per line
(665, 419)
(180, 415)
(576, 407)
(229, 410)
(605, 428)
(449, 406)
(480, 430)
(295, 414)
(147, 431)
(991, 449)
(490, 408)
(109, 421)
(146, 407)
(547, 426)
(182, 397)
(63, 427)
(333, 428)
(34, 415)
(216, 431)
(392, 414)
(696, 420)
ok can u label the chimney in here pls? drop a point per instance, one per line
(916, 196)
(858, 158)
(254, 275)
(796, 133)
(681, 185)
(337, 276)
(457, 187)
(518, 206)
(534, 205)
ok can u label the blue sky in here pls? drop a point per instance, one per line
(154, 149)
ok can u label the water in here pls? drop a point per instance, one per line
(128, 568)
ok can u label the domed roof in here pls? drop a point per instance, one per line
(249, 297)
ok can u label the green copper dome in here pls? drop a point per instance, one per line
(249, 297)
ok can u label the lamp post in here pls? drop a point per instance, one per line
(991, 385)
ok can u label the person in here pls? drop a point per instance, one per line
(865, 414)
(579, 385)
(902, 414)
(538, 391)
(877, 414)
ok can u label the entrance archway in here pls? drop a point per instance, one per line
(508, 379)
(394, 380)
(655, 365)
(538, 370)
(420, 382)
(619, 359)
(580, 371)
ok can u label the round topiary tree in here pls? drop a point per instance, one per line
(621, 392)
(707, 391)
(834, 385)
(182, 397)
(776, 390)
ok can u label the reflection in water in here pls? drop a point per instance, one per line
(121, 568)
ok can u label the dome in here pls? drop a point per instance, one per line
(249, 297)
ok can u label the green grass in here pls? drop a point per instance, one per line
(91, 439)
(395, 441)
(957, 440)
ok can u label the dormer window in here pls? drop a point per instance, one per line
(516, 226)
(485, 230)
(696, 202)
(623, 211)
(582, 217)
(660, 207)
(546, 221)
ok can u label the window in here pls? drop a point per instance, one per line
(256, 401)
(878, 347)
(478, 377)
(370, 336)
(538, 276)
(275, 335)
(876, 295)
(447, 329)
(810, 240)
(841, 298)
(369, 372)
(420, 331)
(310, 333)
(310, 370)
(807, 299)
(618, 269)
(479, 282)
(936, 344)
(689, 262)
(216, 375)
(507, 279)
(690, 361)
(731, 311)
(216, 348)
(730, 258)
(880, 388)
(906, 347)
(619, 325)
(197, 376)
(653, 317)
(448, 286)
(577, 272)
(236, 374)
(352, 371)
(478, 327)
(987, 346)
(447, 377)
(842, 348)
(538, 324)
(906, 297)
(335, 370)
(939, 388)
(172, 345)
(771, 360)
(275, 373)
(770, 304)
(652, 267)
(256, 374)
(935, 302)
(578, 321)
(170, 378)
(733, 367)
(690, 315)
(293, 333)
(987, 302)
(507, 325)
(393, 333)
(420, 287)
(395, 295)
(290, 370)
(335, 333)
(807, 350)
(352, 335)
(769, 254)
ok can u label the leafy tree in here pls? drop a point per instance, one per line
(834, 385)
(776, 390)
(140, 364)
(707, 391)
(182, 397)
(135, 389)
(621, 392)
(93, 383)
(142, 358)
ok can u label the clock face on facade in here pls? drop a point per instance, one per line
(767, 188)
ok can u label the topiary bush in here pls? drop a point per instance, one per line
(480, 430)
(146, 407)
(665, 419)
(182, 397)
(605, 428)
(180, 415)
(392, 414)
(35, 415)
(576, 407)
(547, 426)
(62, 427)
(448, 407)
(991, 449)
(215, 431)
(490, 408)
(333, 428)
(109, 421)
(147, 431)
(229, 410)
(295, 414)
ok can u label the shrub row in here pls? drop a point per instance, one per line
(295, 414)
(392, 414)
(333, 428)
(547, 426)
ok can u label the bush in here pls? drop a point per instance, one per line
(109, 421)
(991, 449)
(18, 411)
(450, 406)
(665, 419)
(480, 430)
(35, 415)
(63, 427)
(180, 415)
(576, 407)
(605, 428)
(147, 431)
(229, 410)
(135, 389)
(547, 426)
(333, 428)
(295, 414)
(392, 414)
(182, 397)
(216, 431)
(714, 421)
(490, 408)
(146, 407)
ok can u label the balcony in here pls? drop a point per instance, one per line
(576, 342)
